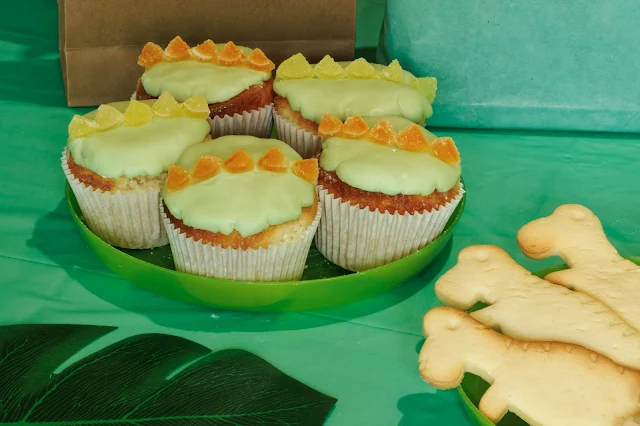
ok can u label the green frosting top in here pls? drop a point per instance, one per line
(217, 83)
(345, 97)
(387, 169)
(246, 202)
(146, 150)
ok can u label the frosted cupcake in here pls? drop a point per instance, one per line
(387, 186)
(235, 81)
(241, 208)
(305, 93)
(116, 160)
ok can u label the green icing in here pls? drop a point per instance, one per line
(387, 169)
(247, 202)
(184, 79)
(146, 150)
(314, 98)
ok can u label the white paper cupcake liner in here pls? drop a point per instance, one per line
(257, 123)
(358, 239)
(128, 219)
(280, 262)
(305, 143)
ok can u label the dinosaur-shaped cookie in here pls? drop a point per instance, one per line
(575, 234)
(545, 384)
(523, 306)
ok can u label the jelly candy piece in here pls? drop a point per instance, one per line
(176, 50)
(207, 166)
(274, 161)
(206, 52)
(196, 107)
(295, 67)
(382, 133)
(166, 106)
(446, 150)
(137, 114)
(307, 169)
(239, 162)
(151, 54)
(259, 61)
(360, 68)
(328, 69)
(427, 86)
(412, 139)
(231, 55)
(108, 117)
(354, 127)
(329, 126)
(177, 178)
(80, 127)
(393, 72)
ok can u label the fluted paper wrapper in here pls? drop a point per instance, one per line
(358, 239)
(257, 123)
(305, 143)
(128, 219)
(280, 262)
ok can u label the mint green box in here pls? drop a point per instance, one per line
(522, 64)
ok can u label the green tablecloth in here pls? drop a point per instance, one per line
(364, 354)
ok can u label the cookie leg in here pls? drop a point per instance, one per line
(493, 403)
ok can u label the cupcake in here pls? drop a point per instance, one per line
(116, 160)
(235, 81)
(241, 208)
(305, 93)
(387, 187)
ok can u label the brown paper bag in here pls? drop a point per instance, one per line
(100, 40)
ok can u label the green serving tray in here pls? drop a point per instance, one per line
(473, 387)
(323, 284)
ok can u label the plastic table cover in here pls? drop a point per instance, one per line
(364, 354)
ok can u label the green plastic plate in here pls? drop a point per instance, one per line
(323, 284)
(473, 387)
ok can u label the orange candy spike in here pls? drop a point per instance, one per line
(177, 178)
(177, 50)
(329, 126)
(354, 127)
(382, 133)
(239, 162)
(206, 52)
(307, 169)
(274, 161)
(207, 167)
(151, 54)
(446, 150)
(412, 139)
(231, 55)
(259, 61)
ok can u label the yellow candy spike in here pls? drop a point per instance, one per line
(295, 67)
(176, 50)
(427, 86)
(108, 117)
(177, 178)
(328, 69)
(80, 127)
(196, 107)
(137, 114)
(360, 69)
(166, 106)
(205, 52)
(393, 72)
(151, 54)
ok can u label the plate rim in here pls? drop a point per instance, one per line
(449, 227)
